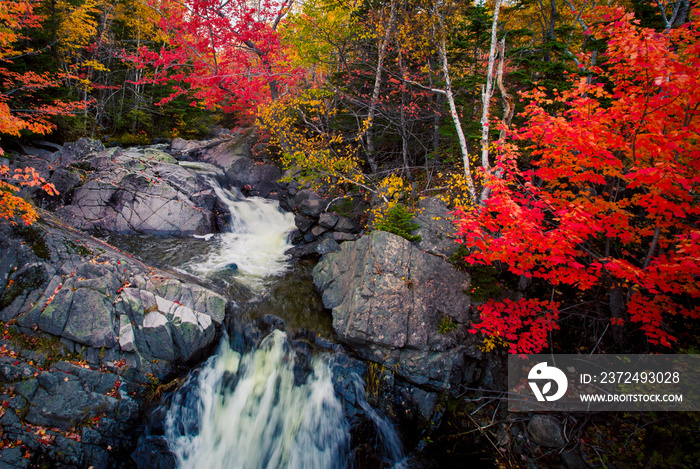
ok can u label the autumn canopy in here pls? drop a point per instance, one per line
(565, 136)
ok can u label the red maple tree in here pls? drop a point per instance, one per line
(23, 106)
(611, 197)
(226, 54)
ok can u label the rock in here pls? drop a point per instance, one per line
(233, 156)
(339, 236)
(90, 319)
(389, 299)
(310, 203)
(545, 431)
(72, 152)
(181, 148)
(318, 230)
(13, 458)
(436, 228)
(40, 165)
(303, 223)
(326, 246)
(328, 220)
(224, 155)
(157, 335)
(57, 409)
(141, 191)
(129, 323)
(152, 452)
(573, 460)
(65, 180)
(90, 295)
(346, 225)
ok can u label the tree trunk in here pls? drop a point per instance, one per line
(442, 50)
(508, 111)
(377, 85)
(487, 92)
(404, 135)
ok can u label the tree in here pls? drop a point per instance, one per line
(226, 53)
(22, 106)
(609, 203)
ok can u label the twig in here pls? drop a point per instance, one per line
(601, 338)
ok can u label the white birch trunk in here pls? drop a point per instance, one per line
(442, 49)
(487, 93)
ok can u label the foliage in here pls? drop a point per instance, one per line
(224, 54)
(22, 108)
(398, 220)
(485, 285)
(315, 154)
(651, 440)
(611, 200)
(133, 140)
(522, 324)
(446, 325)
(23, 94)
(13, 206)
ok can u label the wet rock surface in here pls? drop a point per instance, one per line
(101, 330)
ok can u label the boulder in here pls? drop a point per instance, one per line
(546, 431)
(71, 413)
(106, 304)
(310, 203)
(346, 225)
(314, 249)
(302, 222)
(78, 151)
(436, 228)
(399, 306)
(65, 180)
(328, 220)
(141, 191)
(182, 148)
(224, 155)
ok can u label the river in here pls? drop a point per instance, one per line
(270, 405)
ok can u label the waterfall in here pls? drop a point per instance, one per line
(247, 412)
(254, 245)
(388, 438)
(250, 411)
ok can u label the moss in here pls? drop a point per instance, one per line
(83, 165)
(49, 347)
(34, 237)
(29, 279)
(485, 285)
(79, 249)
(343, 207)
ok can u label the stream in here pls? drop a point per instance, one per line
(270, 404)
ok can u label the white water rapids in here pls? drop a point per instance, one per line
(248, 413)
(245, 411)
(255, 243)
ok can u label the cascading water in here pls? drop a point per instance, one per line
(255, 243)
(249, 410)
(246, 412)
